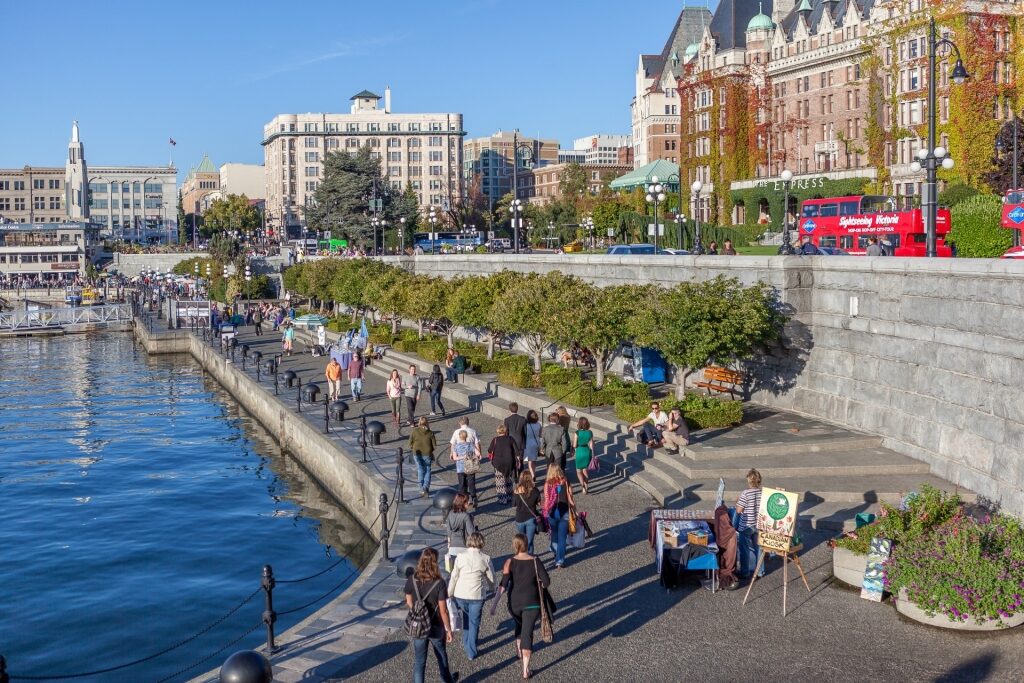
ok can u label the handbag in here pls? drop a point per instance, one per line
(572, 520)
(547, 629)
(471, 465)
(536, 518)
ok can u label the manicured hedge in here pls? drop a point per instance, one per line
(701, 412)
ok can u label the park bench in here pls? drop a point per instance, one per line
(722, 380)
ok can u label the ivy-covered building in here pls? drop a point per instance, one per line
(835, 91)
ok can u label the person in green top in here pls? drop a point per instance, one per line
(582, 442)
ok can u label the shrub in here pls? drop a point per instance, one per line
(516, 375)
(917, 514)
(552, 374)
(976, 228)
(433, 350)
(408, 335)
(956, 193)
(406, 345)
(963, 568)
(701, 412)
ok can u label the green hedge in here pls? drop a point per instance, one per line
(553, 374)
(516, 376)
(976, 228)
(701, 412)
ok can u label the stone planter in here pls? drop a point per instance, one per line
(910, 610)
(849, 567)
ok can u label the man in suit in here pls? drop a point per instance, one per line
(516, 426)
(553, 441)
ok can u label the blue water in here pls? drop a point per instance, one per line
(139, 505)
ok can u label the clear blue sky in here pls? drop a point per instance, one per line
(210, 74)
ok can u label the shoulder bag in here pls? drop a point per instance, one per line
(536, 517)
(547, 629)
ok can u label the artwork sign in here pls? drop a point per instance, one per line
(874, 572)
(777, 513)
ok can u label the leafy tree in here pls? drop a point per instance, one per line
(469, 305)
(531, 306)
(440, 292)
(344, 196)
(349, 285)
(183, 228)
(1000, 178)
(223, 248)
(388, 292)
(956, 193)
(419, 301)
(292, 276)
(696, 324)
(977, 230)
(233, 212)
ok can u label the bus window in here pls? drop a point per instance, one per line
(829, 210)
(919, 238)
(849, 208)
(846, 241)
(827, 241)
(862, 241)
(810, 211)
(893, 240)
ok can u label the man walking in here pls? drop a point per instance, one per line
(552, 441)
(257, 321)
(411, 385)
(355, 376)
(333, 373)
(516, 426)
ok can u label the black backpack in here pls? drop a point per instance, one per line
(417, 622)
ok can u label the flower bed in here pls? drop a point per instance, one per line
(918, 513)
(964, 573)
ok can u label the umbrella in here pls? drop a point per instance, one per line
(311, 320)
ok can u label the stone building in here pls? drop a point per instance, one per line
(835, 91)
(487, 162)
(418, 151)
(201, 187)
(545, 182)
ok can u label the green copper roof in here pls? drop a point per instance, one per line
(643, 175)
(206, 166)
(761, 21)
(805, 6)
(364, 94)
(691, 50)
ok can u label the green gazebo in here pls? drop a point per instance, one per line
(666, 172)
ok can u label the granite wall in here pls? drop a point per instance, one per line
(927, 353)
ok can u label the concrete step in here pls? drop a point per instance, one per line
(837, 517)
(719, 449)
(869, 461)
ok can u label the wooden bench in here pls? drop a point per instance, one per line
(722, 380)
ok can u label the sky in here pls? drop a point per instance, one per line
(211, 74)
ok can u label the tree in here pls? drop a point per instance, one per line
(1000, 178)
(696, 324)
(388, 293)
(419, 302)
(531, 307)
(183, 227)
(470, 303)
(977, 230)
(440, 292)
(233, 212)
(223, 248)
(344, 196)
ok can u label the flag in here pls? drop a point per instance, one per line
(173, 143)
(363, 332)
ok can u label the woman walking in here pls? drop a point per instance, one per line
(426, 585)
(582, 443)
(422, 444)
(558, 506)
(459, 526)
(531, 446)
(527, 517)
(288, 338)
(523, 577)
(503, 452)
(466, 455)
(394, 392)
(471, 582)
(436, 383)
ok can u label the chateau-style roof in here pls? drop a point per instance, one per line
(365, 94)
(206, 166)
(729, 25)
(688, 29)
(761, 21)
(836, 8)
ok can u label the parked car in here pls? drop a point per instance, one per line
(634, 250)
(832, 251)
(677, 252)
(572, 247)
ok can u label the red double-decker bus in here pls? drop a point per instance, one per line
(849, 222)
(1013, 219)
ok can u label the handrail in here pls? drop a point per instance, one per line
(576, 386)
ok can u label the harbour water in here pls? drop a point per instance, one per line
(139, 506)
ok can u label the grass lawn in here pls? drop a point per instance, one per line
(758, 250)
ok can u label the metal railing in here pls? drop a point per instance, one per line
(63, 317)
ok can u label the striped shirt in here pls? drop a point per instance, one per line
(750, 501)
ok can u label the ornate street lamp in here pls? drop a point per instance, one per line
(516, 209)
(786, 248)
(698, 247)
(655, 195)
(432, 219)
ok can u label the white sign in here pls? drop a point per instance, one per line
(490, 234)
(327, 235)
(611, 232)
(650, 228)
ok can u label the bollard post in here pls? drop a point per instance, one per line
(362, 436)
(258, 372)
(269, 616)
(243, 363)
(275, 377)
(327, 414)
(384, 525)
(4, 678)
(401, 476)
(298, 395)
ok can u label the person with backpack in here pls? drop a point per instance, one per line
(257, 321)
(459, 526)
(466, 455)
(428, 623)
(436, 384)
(471, 581)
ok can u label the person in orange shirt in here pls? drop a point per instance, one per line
(334, 379)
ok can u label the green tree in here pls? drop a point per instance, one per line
(388, 293)
(420, 303)
(344, 196)
(183, 227)
(469, 305)
(531, 307)
(719, 321)
(233, 212)
(224, 248)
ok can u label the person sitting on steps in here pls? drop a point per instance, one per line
(651, 427)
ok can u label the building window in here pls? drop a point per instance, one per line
(415, 142)
(394, 127)
(155, 188)
(312, 142)
(435, 141)
(394, 156)
(437, 156)
(352, 127)
(312, 156)
(414, 127)
(19, 185)
(54, 184)
(351, 143)
(436, 170)
(395, 171)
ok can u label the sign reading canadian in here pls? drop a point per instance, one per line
(777, 514)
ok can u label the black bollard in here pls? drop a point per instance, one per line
(4, 678)
(362, 436)
(298, 395)
(246, 666)
(269, 616)
(327, 414)
(384, 525)
(400, 476)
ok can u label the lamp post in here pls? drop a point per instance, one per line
(516, 209)
(933, 157)
(588, 225)
(432, 219)
(786, 248)
(698, 247)
(655, 195)
(401, 235)
(248, 279)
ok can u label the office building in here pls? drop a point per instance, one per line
(201, 187)
(488, 162)
(418, 151)
(247, 179)
(603, 150)
(48, 251)
(544, 184)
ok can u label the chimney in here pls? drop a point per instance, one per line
(387, 100)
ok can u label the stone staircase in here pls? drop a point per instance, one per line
(838, 473)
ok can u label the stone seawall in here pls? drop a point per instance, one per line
(927, 353)
(356, 488)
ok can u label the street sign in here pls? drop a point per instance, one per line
(611, 232)
(490, 234)
(661, 229)
(327, 235)
(445, 206)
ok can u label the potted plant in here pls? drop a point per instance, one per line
(917, 513)
(965, 574)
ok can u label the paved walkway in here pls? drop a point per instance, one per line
(614, 621)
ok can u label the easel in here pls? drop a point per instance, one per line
(787, 554)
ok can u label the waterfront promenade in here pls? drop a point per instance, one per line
(614, 621)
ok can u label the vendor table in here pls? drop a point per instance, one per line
(669, 561)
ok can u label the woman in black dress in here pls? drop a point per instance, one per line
(519, 579)
(504, 458)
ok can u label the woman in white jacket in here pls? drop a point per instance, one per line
(472, 580)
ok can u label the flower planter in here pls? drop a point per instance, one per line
(849, 567)
(910, 610)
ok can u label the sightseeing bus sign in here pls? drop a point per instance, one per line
(902, 221)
